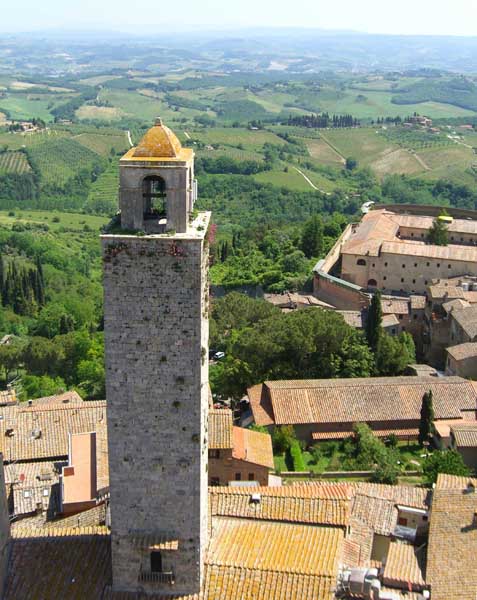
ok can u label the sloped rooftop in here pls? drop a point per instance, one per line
(358, 400)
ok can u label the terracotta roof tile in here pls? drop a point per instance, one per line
(376, 505)
(317, 504)
(404, 565)
(253, 446)
(381, 433)
(220, 429)
(463, 351)
(359, 400)
(279, 547)
(451, 566)
(465, 434)
(69, 566)
(467, 319)
(51, 422)
(395, 306)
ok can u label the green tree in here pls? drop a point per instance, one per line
(11, 356)
(374, 322)
(307, 343)
(445, 461)
(312, 237)
(282, 438)
(426, 423)
(393, 354)
(351, 163)
(295, 262)
(35, 386)
(438, 234)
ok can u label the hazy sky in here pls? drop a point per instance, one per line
(448, 17)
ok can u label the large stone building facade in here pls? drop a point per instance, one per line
(156, 338)
(388, 250)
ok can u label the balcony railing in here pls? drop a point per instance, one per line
(157, 577)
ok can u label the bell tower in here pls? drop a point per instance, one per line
(156, 343)
(157, 187)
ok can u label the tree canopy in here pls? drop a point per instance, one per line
(305, 344)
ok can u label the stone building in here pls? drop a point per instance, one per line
(156, 337)
(462, 360)
(387, 250)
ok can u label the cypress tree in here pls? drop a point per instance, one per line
(374, 322)
(312, 237)
(426, 423)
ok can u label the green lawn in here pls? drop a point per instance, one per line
(332, 458)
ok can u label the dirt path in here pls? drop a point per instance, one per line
(129, 139)
(187, 135)
(308, 180)
(459, 142)
(334, 148)
(425, 166)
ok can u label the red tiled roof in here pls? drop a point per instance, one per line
(358, 400)
(253, 446)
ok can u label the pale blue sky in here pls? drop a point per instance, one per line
(448, 17)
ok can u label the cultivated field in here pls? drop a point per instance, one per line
(60, 159)
(54, 219)
(13, 162)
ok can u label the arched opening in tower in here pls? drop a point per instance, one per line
(154, 194)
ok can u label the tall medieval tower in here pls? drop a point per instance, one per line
(156, 335)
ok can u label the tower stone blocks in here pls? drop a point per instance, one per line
(156, 339)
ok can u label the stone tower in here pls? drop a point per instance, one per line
(156, 335)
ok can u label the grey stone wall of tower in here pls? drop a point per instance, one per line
(156, 339)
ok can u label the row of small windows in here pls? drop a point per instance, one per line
(402, 280)
(362, 263)
(452, 238)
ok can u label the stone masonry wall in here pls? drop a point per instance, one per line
(156, 337)
(4, 529)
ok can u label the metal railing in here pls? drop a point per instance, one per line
(157, 577)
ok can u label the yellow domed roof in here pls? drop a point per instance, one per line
(159, 142)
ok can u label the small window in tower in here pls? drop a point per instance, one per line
(361, 262)
(238, 476)
(251, 476)
(156, 562)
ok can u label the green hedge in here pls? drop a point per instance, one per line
(297, 456)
